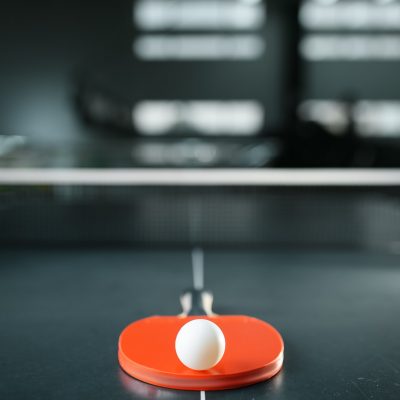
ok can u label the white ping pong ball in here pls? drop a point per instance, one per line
(200, 344)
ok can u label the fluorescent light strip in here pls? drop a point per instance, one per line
(351, 15)
(378, 118)
(198, 15)
(198, 47)
(233, 118)
(323, 47)
(201, 177)
(371, 117)
(329, 113)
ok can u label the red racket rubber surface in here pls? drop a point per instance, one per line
(254, 353)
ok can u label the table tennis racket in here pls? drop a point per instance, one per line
(254, 349)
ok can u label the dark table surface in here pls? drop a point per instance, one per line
(61, 311)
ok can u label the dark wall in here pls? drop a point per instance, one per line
(43, 44)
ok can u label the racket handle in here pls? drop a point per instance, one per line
(197, 302)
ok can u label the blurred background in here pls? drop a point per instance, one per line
(200, 83)
(207, 86)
